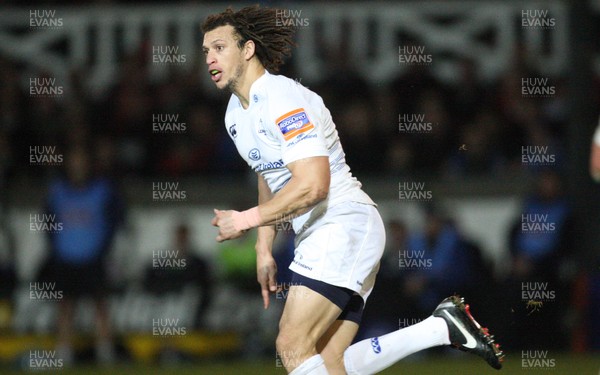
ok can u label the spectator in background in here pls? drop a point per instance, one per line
(540, 138)
(528, 120)
(181, 271)
(193, 151)
(90, 211)
(478, 153)
(433, 147)
(539, 243)
(537, 252)
(522, 128)
(170, 97)
(437, 261)
(129, 109)
(183, 267)
(342, 83)
(555, 110)
(359, 134)
(47, 123)
(409, 87)
(469, 94)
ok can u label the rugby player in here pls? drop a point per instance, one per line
(286, 135)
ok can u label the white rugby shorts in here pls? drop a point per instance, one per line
(340, 245)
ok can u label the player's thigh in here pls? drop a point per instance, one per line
(306, 317)
(336, 340)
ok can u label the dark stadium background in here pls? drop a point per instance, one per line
(450, 112)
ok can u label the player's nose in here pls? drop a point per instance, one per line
(210, 58)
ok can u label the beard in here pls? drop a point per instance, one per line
(233, 82)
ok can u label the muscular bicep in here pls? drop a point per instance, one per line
(308, 185)
(313, 172)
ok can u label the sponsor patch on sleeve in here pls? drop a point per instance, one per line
(293, 123)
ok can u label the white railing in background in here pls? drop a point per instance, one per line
(97, 38)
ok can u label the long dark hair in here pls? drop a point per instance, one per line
(272, 35)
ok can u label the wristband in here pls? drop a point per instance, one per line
(246, 219)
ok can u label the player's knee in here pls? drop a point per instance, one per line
(293, 347)
(287, 341)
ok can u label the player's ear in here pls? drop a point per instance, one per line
(249, 49)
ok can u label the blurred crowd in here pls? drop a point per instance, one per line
(414, 124)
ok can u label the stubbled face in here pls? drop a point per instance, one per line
(224, 59)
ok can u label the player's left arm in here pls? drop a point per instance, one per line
(308, 186)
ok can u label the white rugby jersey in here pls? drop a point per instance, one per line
(285, 122)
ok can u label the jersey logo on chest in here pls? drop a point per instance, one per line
(254, 154)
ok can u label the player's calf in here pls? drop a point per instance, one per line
(334, 343)
(334, 363)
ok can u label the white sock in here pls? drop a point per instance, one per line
(375, 354)
(313, 366)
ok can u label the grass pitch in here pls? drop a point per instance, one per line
(430, 365)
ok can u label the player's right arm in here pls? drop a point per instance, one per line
(266, 268)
